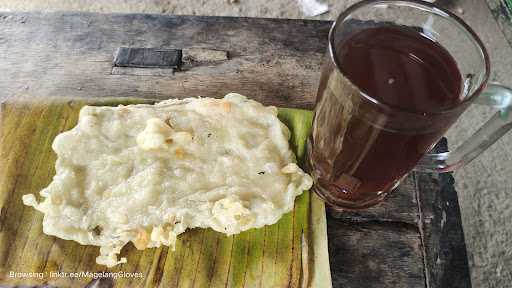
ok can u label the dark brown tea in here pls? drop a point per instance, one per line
(364, 148)
(401, 68)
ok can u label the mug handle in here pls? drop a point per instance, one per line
(494, 95)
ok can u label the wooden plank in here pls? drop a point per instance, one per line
(70, 54)
(441, 226)
(375, 254)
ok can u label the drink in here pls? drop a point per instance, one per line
(397, 75)
(401, 68)
(359, 149)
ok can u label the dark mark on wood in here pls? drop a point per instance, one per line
(164, 62)
(148, 58)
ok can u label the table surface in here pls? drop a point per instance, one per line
(414, 239)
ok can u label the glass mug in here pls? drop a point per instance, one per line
(371, 127)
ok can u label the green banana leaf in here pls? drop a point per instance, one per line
(290, 253)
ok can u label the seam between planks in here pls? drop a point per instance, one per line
(420, 229)
(394, 223)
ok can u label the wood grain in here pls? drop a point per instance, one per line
(274, 61)
(387, 254)
(267, 257)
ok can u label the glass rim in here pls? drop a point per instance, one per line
(432, 8)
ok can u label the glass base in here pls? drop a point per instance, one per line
(338, 205)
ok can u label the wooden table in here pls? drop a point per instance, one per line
(414, 239)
